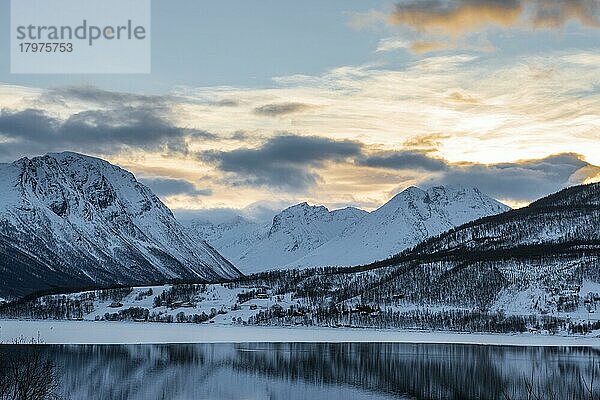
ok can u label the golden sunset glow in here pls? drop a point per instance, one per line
(459, 109)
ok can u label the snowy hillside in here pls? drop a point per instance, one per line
(68, 220)
(571, 216)
(293, 233)
(542, 259)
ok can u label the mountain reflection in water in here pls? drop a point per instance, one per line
(333, 371)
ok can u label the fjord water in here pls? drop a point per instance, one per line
(330, 371)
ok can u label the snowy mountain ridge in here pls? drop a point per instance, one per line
(308, 236)
(67, 219)
(293, 233)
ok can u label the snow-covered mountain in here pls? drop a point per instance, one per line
(407, 219)
(535, 267)
(71, 220)
(570, 217)
(232, 236)
(543, 258)
(294, 232)
(305, 236)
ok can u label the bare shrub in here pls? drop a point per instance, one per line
(26, 373)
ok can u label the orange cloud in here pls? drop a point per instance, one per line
(456, 18)
(447, 24)
(460, 17)
(421, 47)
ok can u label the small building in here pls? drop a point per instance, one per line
(176, 304)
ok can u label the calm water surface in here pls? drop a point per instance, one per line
(321, 371)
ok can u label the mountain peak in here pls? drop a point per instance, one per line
(452, 189)
(412, 191)
(72, 154)
(64, 156)
(405, 220)
(304, 206)
(92, 222)
(299, 214)
(408, 194)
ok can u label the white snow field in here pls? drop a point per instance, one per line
(104, 332)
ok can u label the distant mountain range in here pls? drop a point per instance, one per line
(442, 258)
(293, 233)
(71, 220)
(540, 262)
(308, 236)
(535, 268)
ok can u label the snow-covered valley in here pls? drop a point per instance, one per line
(249, 307)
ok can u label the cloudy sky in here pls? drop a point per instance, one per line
(256, 105)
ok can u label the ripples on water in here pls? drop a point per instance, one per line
(342, 371)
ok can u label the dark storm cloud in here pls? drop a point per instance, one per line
(524, 180)
(273, 110)
(404, 160)
(284, 161)
(172, 186)
(521, 181)
(32, 131)
(29, 123)
(292, 162)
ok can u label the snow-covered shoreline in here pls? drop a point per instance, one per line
(88, 332)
